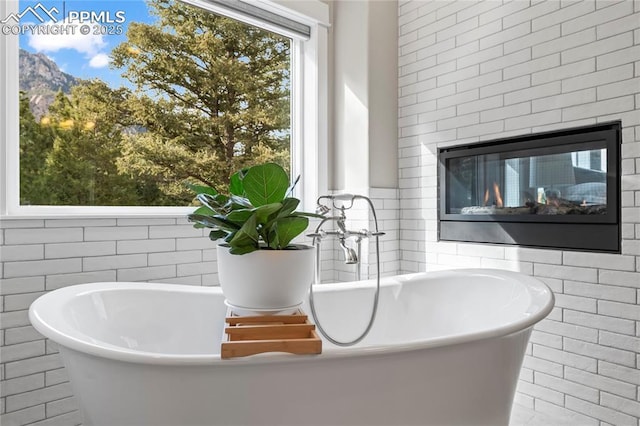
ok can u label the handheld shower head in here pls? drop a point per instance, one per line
(350, 256)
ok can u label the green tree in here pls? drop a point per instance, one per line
(35, 144)
(87, 131)
(212, 96)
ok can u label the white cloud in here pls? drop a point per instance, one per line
(69, 38)
(100, 60)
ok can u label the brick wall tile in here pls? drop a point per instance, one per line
(604, 353)
(619, 310)
(564, 100)
(80, 222)
(599, 382)
(21, 285)
(567, 387)
(41, 267)
(32, 365)
(600, 47)
(22, 384)
(530, 66)
(37, 397)
(557, 412)
(599, 260)
(145, 246)
(619, 341)
(602, 322)
(22, 252)
(63, 280)
(17, 302)
(109, 233)
(42, 235)
(543, 365)
(533, 39)
(620, 278)
(497, 87)
(541, 392)
(22, 334)
(26, 416)
(567, 272)
(148, 273)
(569, 330)
(611, 28)
(573, 10)
(599, 291)
(606, 15)
(506, 9)
(102, 263)
(619, 372)
(599, 412)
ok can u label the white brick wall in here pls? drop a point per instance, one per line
(492, 69)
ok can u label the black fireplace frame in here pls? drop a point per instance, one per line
(598, 233)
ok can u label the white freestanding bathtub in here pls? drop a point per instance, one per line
(446, 349)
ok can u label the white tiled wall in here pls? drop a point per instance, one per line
(478, 70)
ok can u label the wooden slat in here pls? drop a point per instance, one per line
(269, 332)
(297, 318)
(252, 335)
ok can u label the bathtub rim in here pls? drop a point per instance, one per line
(118, 353)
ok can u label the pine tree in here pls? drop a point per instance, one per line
(212, 96)
(35, 144)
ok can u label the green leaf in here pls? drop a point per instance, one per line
(242, 249)
(240, 216)
(289, 205)
(290, 227)
(216, 234)
(213, 222)
(204, 210)
(201, 189)
(236, 203)
(213, 202)
(263, 212)
(247, 235)
(265, 184)
(235, 183)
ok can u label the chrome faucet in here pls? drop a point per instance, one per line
(341, 203)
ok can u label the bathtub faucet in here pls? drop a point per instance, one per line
(340, 203)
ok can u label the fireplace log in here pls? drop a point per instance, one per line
(559, 207)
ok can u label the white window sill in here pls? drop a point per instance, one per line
(73, 212)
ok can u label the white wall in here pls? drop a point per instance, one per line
(364, 47)
(478, 70)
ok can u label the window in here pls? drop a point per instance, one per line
(132, 130)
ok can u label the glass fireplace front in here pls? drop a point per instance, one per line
(538, 181)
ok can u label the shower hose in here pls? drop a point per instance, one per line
(374, 310)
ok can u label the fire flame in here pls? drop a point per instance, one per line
(496, 193)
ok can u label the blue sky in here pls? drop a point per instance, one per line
(84, 56)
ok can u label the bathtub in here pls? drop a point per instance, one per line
(446, 349)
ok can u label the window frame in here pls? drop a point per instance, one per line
(309, 117)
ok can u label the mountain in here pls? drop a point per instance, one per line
(41, 79)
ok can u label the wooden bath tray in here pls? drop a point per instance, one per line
(250, 335)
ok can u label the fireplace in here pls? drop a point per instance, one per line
(556, 190)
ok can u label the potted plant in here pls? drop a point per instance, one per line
(258, 266)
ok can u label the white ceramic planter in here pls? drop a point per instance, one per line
(266, 280)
